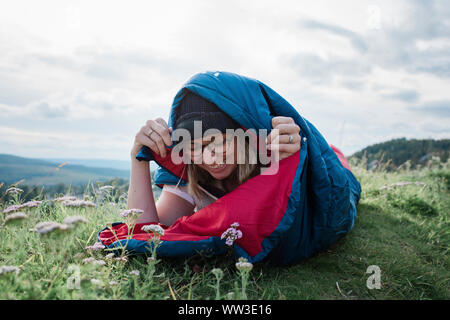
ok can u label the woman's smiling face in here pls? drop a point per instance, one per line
(215, 154)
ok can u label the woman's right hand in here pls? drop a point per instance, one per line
(156, 140)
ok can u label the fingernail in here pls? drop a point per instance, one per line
(269, 146)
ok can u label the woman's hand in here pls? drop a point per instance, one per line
(279, 141)
(155, 134)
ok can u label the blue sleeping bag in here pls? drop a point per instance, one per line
(313, 196)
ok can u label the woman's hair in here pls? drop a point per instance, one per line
(240, 174)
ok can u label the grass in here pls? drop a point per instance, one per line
(404, 230)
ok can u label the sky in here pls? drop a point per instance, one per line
(78, 79)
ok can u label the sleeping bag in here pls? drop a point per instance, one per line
(302, 209)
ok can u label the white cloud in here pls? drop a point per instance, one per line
(360, 71)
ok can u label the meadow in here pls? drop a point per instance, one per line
(402, 229)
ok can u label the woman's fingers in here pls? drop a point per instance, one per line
(159, 134)
(284, 129)
(143, 139)
(278, 139)
(165, 133)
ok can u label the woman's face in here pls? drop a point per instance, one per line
(215, 155)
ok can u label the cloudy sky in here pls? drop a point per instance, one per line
(79, 78)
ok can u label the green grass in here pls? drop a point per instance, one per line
(404, 230)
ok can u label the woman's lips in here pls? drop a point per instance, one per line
(217, 169)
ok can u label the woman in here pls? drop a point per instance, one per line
(297, 207)
(217, 171)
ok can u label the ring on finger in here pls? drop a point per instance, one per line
(291, 138)
(149, 132)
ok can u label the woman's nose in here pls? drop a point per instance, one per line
(209, 157)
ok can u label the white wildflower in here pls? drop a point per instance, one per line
(99, 262)
(78, 203)
(110, 256)
(131, 212)
(94, 262)
(96, 246)
(88, 260)
(113, 283)
(154, 228)
(106, 188)
(9, 269)
(96, 282)
(32, 204)
(15, 216)
(13, 190)
(75, 219)
(135, 273)
(217, 272)
(123, 259)
(47, 226)
(13, 208)
(65, 198)
(244, 265)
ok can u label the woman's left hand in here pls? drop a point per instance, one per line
(278, 140)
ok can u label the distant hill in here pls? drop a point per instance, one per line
(96, 163)
(42, 172)
(398, 151)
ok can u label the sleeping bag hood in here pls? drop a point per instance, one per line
(303, 208)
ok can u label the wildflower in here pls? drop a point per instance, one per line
(106, 188)
(113, 283)
(88, 260)
(75, 219)
(243, 265)
(131, 212)
(217, 272)
(232, 234)
(96, 246)
(99, 262)
(9, 269)
(96, 282)
(92, 260)
(65, 198)
(244, 268)
(13, 190)
(230, 295)
(47, 226)
(110, 256)
(15, 216)
(13, 208)
(78, 203)
(135, 273)
(32, 204)
(155, 229)
(123, 259)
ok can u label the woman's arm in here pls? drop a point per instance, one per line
(140, 193)
(167, 209)
(155, 134)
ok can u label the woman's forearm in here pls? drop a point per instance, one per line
(140, 193)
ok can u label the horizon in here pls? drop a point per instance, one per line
(70, 84)
(128, 160)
